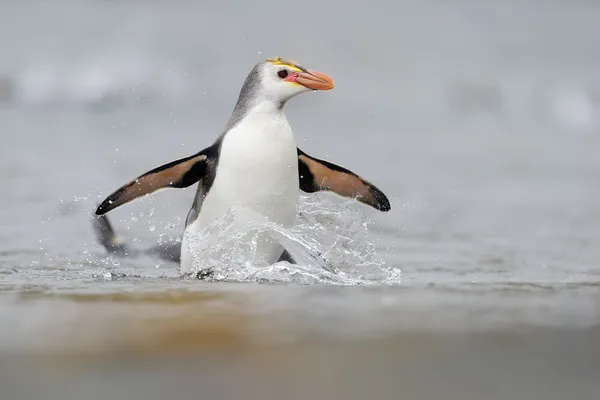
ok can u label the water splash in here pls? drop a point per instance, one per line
(330, 243)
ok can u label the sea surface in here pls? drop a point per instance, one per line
(479, 119)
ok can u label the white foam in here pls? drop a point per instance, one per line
(110, 80)
(331, 244)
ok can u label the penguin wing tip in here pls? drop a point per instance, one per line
(381, 202)
(384, 204)
(385, 207)
(102, 208)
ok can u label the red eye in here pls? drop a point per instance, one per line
(282, 73)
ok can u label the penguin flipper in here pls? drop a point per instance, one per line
(176, 174)
(317, 175)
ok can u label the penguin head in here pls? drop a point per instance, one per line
(282, 79)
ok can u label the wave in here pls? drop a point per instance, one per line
(108, 82)
(128, 80)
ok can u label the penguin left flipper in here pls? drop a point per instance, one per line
(177, 174)
(317, 175)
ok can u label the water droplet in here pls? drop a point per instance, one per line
(152, 228)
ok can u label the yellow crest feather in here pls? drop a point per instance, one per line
(284, 62)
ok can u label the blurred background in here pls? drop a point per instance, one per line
(479, 119)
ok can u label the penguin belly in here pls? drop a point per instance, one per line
(257, 182)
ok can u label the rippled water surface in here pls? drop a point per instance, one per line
(479, 120)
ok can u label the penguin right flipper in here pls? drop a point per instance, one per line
(177, 174)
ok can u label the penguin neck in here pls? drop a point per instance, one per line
(265, 107)
(260, 112)
(254, 103)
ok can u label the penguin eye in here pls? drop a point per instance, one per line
(282, 73)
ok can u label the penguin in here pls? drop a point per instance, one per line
(254, 169)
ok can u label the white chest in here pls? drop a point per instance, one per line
(257, 172)
(257, 179)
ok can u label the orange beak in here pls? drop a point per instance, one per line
(314, 80)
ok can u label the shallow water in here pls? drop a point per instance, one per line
(479, 120)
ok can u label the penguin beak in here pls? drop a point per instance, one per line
(314, 80)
